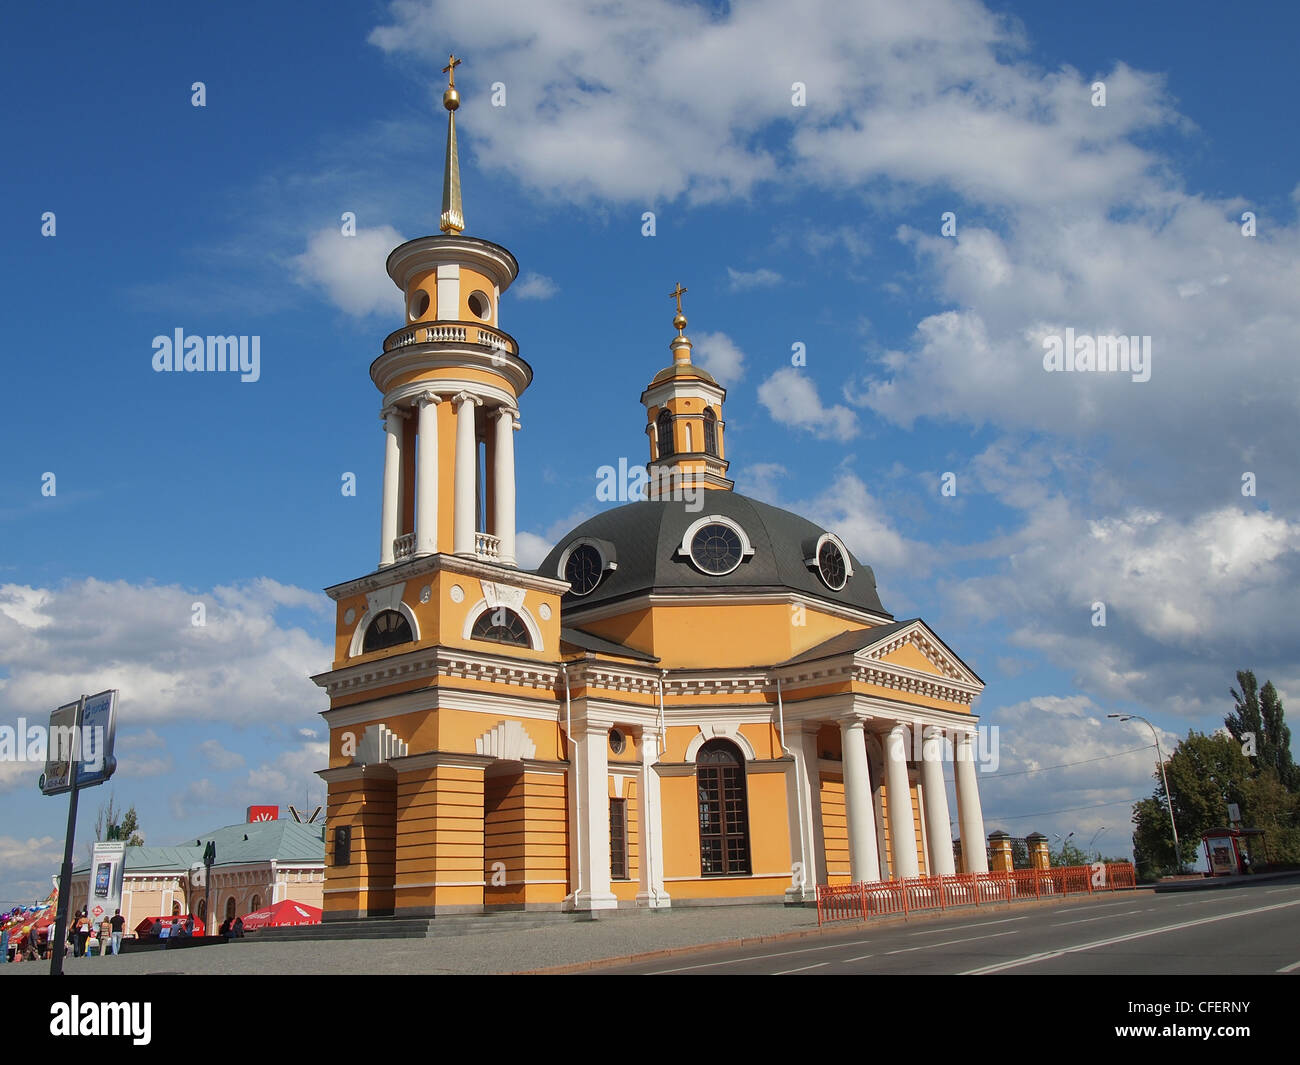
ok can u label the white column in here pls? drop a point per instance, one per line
(466, 464)
(590, 788)
(902, 828)
(970, 818)
(807, 846)
(863, 861)
(503, 482)
(651, 824)
(392, 482)
(938, 831)
(426, 475)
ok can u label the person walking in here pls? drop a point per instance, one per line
(105, 935)
(83, 933)
(118, 924)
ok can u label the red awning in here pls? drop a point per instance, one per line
(151, 926)
(282, 915)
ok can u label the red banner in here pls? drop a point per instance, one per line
(263, 813)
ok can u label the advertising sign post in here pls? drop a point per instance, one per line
(79, 754)
(59, 939)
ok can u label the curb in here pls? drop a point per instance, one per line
(811, 933)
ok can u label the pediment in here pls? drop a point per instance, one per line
(917, 648)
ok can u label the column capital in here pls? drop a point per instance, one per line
(504, 411)
(393, 410)
(425, 399)
(461, 398)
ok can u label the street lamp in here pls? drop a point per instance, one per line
(1160, 761)
(209, 860)
(1094, 837)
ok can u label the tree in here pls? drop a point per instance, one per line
(1258, 722)
(112, 824)
(1069, 854)
(1205, 773)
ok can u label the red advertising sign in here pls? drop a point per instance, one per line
(263, 813)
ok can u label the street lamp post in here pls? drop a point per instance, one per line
(209, 859)
(1160, 761)
(1095, 836)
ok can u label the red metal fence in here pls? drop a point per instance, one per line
(858, 902)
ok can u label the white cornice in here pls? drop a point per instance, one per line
(433, 662)
(456, 564)
(427, 253)
(431, 355)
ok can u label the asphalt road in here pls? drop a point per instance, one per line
(1244, 930)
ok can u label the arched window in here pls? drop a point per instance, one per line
(387, 630)
(230, 908)
(710, 432)
(200, 911)
(501, 625)
(724, 814)
(664, 424)
(255, 904)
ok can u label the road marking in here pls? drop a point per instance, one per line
(803, 969)
(860, 957)
(1030, 959)
(1274, 891)
(950, 942)
(963, 927)
(1103, 917)
(760, 957)
(1285, 968)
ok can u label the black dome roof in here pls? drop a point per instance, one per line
(644, 538)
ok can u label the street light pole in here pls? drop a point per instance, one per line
(1160, 761)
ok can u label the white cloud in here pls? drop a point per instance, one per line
(530, 549)
(218, 757)
(244, 665)
(1187, 601)
(1107, 767)
(287, 778)
(791, 399)
(351, 269)
(740, 280)
(849, 509)
(534, 286)
(718, 354)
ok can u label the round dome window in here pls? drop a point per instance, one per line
(419, 305)
(480, 306)
(830, 564)
(716, 549)
(583, 569)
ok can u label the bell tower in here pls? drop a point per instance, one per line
(684, 420)
(451, 379)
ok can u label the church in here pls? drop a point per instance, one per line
(696, 698)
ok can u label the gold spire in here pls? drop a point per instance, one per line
(453, 216)
(680, 345)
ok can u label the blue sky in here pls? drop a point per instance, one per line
(817, 225)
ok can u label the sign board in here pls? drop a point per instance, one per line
(263, 813)
(98, 728)
(1234, 813)
(107, 867)
(87, 743)
(61, 749)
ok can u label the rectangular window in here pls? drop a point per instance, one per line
(343, 845)
(618, 839)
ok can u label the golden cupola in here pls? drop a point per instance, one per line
(684, 420)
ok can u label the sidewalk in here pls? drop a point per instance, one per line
(482, 953)
(559, 948)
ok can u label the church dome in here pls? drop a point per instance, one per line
(730, 544)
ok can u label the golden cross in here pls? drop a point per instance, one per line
(677, 294)
(450, 69)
